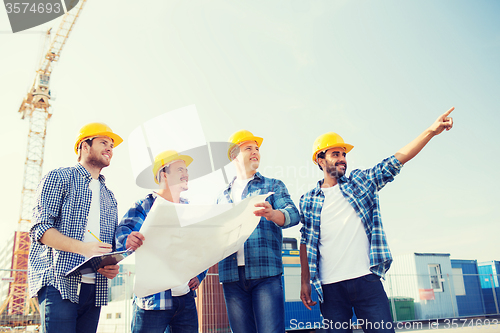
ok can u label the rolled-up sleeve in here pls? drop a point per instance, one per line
(131, 221)
(47, 208)
(384, 172)
(282, 201)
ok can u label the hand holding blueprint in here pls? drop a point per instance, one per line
(181, 241)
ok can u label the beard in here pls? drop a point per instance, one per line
(97, 160)
(335, 172)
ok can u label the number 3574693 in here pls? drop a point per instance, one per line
(26, 7)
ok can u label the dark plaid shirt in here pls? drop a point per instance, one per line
(63, 202)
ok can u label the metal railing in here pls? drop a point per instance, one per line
(411, 297)
(426, 297)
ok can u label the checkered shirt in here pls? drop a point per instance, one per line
(63, 202)
(361, 191)
(263, 247)
(132, 221)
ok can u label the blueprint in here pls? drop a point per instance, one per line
(181, 241)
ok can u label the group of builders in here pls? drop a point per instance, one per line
(343, 248)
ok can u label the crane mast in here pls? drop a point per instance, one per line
(35, 107)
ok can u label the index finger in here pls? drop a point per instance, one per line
(262, 204)
(447, 113)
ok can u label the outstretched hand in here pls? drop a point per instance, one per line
(444, 122)
(267, 211)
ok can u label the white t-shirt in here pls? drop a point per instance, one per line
(93, 222)
(344, 249)
(180, 290)
(236, 193)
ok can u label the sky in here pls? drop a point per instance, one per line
(377, 73)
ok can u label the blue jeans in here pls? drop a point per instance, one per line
(61, 315)
(367, 295)
(181, 318)
(255, 305)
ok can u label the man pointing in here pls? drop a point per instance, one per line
(343, 248)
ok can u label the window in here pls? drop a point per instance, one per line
(458, 281)
(436, 278)
(109, 316)
(118, 315)
(289, 244)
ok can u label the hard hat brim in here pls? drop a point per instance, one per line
(187, 159)
(115, 137)
(347, 147)
(257, 140)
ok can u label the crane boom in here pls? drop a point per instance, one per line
(53, 54)
(35, 106)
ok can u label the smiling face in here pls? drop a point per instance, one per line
(334, 164)
(248, 157)
(177, 176)
(100, 153)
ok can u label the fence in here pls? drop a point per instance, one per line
(426, 297)
(412, 298)
(14, 315)
(212, 316)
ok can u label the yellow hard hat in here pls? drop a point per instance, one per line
(242, 136)
(165, 158)
(327, 141)
(96, 129)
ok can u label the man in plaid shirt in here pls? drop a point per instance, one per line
(251, 277)
(174, 308)
(343, 248)
(69, 202)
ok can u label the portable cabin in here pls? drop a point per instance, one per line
(489, 274)
(425, 278)
(467, 285)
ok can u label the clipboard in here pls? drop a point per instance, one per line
(91, 265)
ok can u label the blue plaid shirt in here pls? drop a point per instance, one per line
(361, 191)
(132, 221)
(63, 202)
(263, 247)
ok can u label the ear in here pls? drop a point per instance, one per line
(162, 182)
(84, 146)
(234, 154)
(321, 162)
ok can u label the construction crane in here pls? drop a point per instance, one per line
(21, 310)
